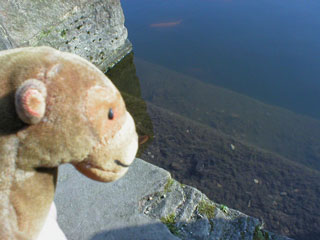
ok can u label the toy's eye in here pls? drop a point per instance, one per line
(110, 114)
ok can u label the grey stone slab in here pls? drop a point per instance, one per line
(198, 230)
(146, 204)
(92, 210)
(164, 203)
(5, 41)
(192, 198)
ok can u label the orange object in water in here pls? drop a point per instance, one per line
(166, 24)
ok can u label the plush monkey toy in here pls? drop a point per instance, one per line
(55, 108)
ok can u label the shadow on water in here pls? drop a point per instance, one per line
(253, 157)
(123, 75)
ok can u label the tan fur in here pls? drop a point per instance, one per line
(74, 129)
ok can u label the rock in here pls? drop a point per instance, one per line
(146, 204)
(95, 210)
(94, 30)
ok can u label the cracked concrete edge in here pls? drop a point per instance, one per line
(148, 204)
(177, 206)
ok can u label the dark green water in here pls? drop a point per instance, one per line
(267, 49)
(232, 90)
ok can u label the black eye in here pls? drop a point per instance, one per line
(110, 114)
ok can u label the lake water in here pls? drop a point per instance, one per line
(231, 94)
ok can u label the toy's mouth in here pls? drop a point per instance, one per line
(100, 174)
(121, 164)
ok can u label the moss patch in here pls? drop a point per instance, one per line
(259, 234)
(224, 208)
(170, 222)
(167, 187)
(63, 33)
(45, 33)
(206, 208)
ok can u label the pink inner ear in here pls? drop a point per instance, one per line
(33, 102)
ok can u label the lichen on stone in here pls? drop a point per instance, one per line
(167, 187)
(259, 234)
(206, 208)
(170, 222)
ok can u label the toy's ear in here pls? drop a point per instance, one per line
(30, 101)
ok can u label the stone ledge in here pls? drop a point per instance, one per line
(92, 30)
(146, 204)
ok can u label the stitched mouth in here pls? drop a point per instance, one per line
(98, 173)
(89, 165)
(121, 164)
(92, 166)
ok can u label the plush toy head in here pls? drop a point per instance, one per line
(55, 108)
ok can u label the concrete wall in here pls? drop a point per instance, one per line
(92, 29)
